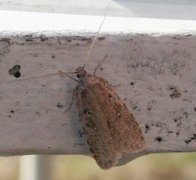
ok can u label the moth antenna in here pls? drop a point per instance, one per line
(98, 65)
(96, 35)
(61, 72)
(46, 75)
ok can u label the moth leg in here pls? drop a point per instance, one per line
(99, 64)
(72, 100)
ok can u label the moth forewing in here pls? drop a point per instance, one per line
(110, 128)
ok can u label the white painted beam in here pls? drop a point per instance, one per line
(153, 61)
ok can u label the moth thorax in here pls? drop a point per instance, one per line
(80, 72)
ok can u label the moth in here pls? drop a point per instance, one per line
(110, 128)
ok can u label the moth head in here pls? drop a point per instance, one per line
(80, 72)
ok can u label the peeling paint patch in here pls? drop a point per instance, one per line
(15, 71)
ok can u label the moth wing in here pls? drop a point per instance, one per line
(121, 121)
(99, 138)
(110, 128)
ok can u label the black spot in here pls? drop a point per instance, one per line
(53, 56)
(193, 137)
(177, 119)
(187, 141)
(12, 111)
(59, 105)
(17, 74)
(132, 83)
(159, 139)
(135, 107)
(147, 128)
(149, 108)
(194, 108)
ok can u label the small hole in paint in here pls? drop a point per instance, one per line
(17, 75)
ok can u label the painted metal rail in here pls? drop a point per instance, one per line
(153, 60)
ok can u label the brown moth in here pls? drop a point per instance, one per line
(110, 128)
